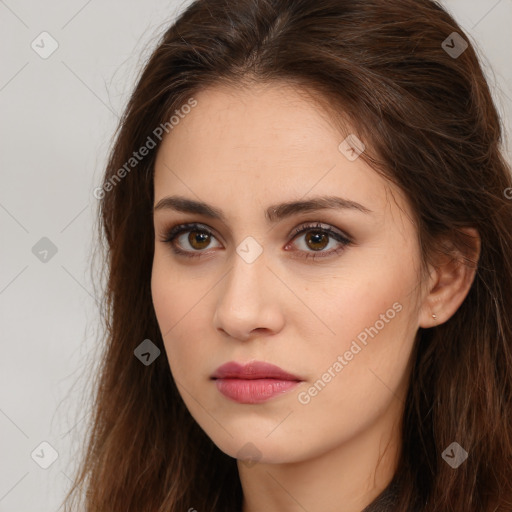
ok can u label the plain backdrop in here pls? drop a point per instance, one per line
(58, 115)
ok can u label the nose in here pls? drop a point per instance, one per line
(248, 303)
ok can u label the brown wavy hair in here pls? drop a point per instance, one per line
(430, 126)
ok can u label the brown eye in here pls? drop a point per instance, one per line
(198, 239)
(316, 240)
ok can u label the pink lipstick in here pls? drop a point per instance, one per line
(253, 383)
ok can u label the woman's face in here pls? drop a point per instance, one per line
(246, 287)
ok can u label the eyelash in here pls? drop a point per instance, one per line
(173, 233)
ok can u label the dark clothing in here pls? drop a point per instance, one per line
(385, 501)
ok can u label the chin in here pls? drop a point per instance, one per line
(251, 449)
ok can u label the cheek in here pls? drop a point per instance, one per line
(171, 304)
(163, 293)
(369, 300)
(173, 292)
(369, 314)
(361, 372)
(180, 301)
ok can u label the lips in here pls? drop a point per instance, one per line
(251, 371)
(254, 382)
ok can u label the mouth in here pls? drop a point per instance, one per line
(253, 383)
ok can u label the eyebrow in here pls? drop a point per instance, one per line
(274, 213)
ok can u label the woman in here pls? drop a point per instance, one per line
(308, 225)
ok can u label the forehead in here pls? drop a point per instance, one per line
(259, 145)
(252, 119)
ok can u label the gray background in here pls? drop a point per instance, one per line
(58, 117)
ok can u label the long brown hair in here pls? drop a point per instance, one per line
(429, 124)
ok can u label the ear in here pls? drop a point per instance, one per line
(450, 279)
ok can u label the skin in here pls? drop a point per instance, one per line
(241, 151)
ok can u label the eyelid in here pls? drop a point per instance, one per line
(321, 226)
(178, 229)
